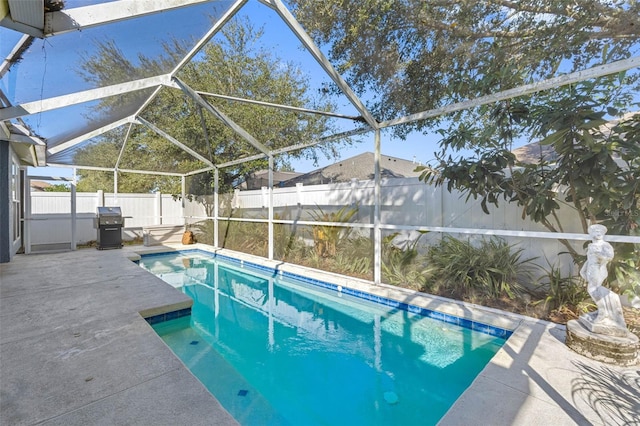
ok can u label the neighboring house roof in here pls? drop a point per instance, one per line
(39, 186)
(534, 152)
(360, 167)
(261, 178)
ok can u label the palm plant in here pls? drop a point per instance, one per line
(328, 238)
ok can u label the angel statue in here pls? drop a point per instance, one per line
(608, 318)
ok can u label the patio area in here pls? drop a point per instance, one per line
(75, 349)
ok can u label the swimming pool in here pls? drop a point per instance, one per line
(274, 349)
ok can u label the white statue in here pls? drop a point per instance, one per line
(609, 318)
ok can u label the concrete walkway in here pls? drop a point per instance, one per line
(75, 350)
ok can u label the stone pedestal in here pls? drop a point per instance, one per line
(623, 351)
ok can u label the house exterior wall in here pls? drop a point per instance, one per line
(5, 193)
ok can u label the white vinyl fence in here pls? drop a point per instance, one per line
(408, 203)
(405, 203)
(49, 219)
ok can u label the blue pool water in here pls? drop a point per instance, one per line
(275, 350)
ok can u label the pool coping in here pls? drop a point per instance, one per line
(413, 302)
(448, 310)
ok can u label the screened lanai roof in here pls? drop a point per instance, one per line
(103, 74)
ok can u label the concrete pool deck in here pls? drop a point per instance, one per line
(75, 350)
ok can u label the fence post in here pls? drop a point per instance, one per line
(100, 200)
(353, 191)
(300, 197)
(265, 196)
(158, 209)
(73, 215)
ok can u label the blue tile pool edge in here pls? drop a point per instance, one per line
(156, 319)
(440, 316)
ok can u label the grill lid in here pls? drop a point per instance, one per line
(109, 216)
(109, 211)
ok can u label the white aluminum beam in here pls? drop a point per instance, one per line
(508, 233)
(297, 29)
(80, 18)
(48, 104)
(320, 141)
(54, 178)
(197, 172)
(82, 138)
(220, 115)
(216, 207)
(124, 144)
(111, 169)
(15, 54)
(75, 166)
(296, 147)
(527, 89)
(147, 172)
(377, 218)
(146, 103)
(279, 106)
(242, 160)
(235, 7)
(175, 141)
(270, 242)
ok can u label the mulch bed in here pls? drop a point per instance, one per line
(559, 316)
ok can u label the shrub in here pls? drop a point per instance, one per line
(326, 238)
(492, 269)
(562, 293)
(402, 267)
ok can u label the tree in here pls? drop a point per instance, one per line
(235, 65)
(415, 55)
(596, 169)
(59, 187)
(411, 55)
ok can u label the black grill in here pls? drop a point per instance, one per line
(110, 223)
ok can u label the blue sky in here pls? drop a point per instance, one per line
(287, 46)
(277, 36)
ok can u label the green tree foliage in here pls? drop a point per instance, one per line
(418, 55)
(60, 187)
(413, 55)
(234, 65)
(595, 170)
